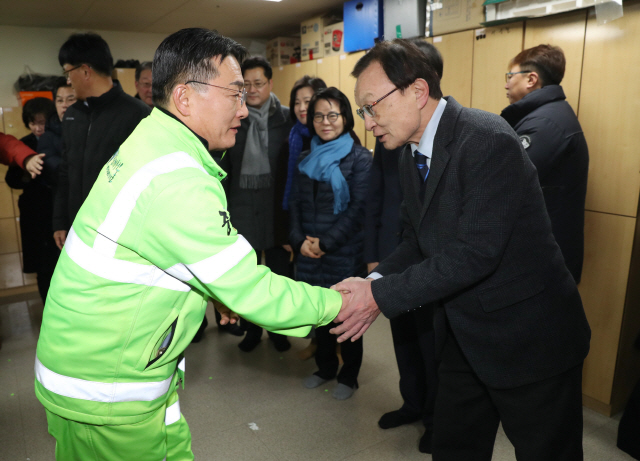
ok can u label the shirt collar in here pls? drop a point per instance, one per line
(425, 146)
(200, 138)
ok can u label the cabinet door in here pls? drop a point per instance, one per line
(567, 32)
(609, 108)
(493, 48)
(8, 235)
(13, 124)
(457, 56)
(603, 287)
(283, 80)
(304, 68)
(328, 69)
(348, 86)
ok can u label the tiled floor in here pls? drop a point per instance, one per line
(253, 406)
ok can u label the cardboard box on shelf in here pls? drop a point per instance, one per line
(283, 50)
(333, 39)
(311, 34)
(456, 15)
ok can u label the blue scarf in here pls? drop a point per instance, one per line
(298, 132)
(323, 164)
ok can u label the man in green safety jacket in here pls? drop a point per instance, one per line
(151, 244)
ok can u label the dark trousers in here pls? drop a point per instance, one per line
(543, 420)
(327, 359)
(413, 342)
(278, 260)
(48, 259)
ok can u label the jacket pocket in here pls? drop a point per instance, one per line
(510, 293)
(159, 344)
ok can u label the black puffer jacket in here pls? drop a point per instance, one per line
(91, 134)
(341, 236)
(552, 136)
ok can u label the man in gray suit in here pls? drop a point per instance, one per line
(511, 333)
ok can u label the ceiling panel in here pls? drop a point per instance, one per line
(43, 13)
(127, 16)
(235, 18)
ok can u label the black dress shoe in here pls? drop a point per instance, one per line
(200, 333)
(425, 442)
(397, 418)
(249, 342)
(280, 342)
(233, 329)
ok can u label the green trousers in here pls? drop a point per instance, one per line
(163, 436)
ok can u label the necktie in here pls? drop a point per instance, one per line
(421, 164)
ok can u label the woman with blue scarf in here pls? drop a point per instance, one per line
(326, 208)
(299, 137)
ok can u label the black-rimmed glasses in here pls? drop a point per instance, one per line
(368, 108)
(331, 116)
(508, 75)
(65, 73)
(256, 85)
(241, 94)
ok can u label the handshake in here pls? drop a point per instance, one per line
(359, 310)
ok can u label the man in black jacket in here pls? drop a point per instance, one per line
(511, 333)
(552, 136)
(257, 171)
(93, 128)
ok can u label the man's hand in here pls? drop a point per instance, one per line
(305, 250)
(60, 237)
(371, 267)
(360, 311)
(315, 245)
(288, 248)
(226, 314)
(33, 164)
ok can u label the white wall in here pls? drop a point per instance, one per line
(37, 47)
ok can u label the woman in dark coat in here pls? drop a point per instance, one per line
(327, 211)
(39, 251)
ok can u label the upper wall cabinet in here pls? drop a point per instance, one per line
(492, 50)
(457, 55)
(567, 32)
(608, 112)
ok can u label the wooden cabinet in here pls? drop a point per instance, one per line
(12, 122)
(609, 111)
(12, 280)
(127, 79)
(348, 86)
(457, 55)
(567, 32)
(283, 80)
(328, 69)
(492, 50)
(608, 244)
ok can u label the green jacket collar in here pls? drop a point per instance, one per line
(175, 125)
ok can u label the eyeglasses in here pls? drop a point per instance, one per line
(65, 73)
(256, 85)
(241, 95)
(508, 75)
(145, 85)
(331, 116)
(368, 108)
